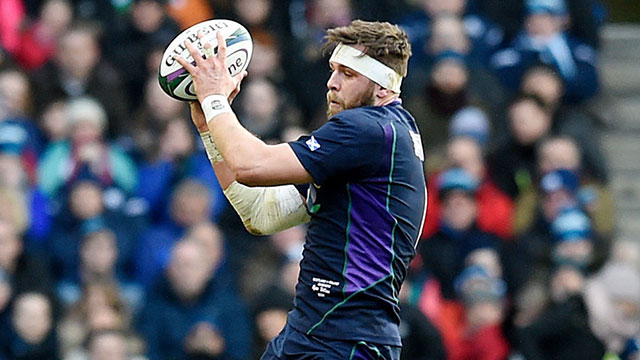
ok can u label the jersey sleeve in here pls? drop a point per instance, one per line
(346, 147)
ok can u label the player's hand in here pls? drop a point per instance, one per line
(210, 75)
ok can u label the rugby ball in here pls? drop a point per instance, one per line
(176, 81)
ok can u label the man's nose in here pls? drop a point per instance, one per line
(333, 83)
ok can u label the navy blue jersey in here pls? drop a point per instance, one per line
(367, 206)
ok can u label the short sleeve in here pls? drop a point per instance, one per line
(347, 147)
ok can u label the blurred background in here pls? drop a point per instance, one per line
(116, 241)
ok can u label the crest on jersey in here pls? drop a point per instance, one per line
(312, 144)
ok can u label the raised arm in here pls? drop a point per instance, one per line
(263, 210)
(249, 159)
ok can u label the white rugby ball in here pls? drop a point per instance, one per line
(176, 81)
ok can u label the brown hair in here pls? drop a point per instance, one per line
(382, 41)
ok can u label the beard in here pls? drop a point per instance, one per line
(365, 98)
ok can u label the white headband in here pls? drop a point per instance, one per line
(371, 68)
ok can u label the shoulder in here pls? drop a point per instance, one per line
(359, 121)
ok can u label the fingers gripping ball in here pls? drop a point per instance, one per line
(176, 81)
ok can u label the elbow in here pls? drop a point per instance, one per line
(259, 230)
(254, 231)
(247, 176)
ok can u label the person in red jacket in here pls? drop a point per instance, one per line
(495, 208)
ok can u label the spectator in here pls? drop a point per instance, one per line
(495, 208)
(612, 297)
(19, 134)
(275, 263)
(190, 205)
(535, 245)
(451, 86)
(513, 163)
(85, 152)
(483, 298)
(261, 110)
(420, 338)
(39, 39)
(262, 16)
(191, 312)
(556, 153)
(562, 330)
(151, 118)
(175, 159)
(586, 17)
(27, 271)
(306, 66)
(31, 334)
(211, 240)
(443, 253)
(543, 39)
(100, 309)
(78, 69)
(54, 124)
(98, 258)
(484, 35)
(543, 81)
(128, 46)
(84, 213)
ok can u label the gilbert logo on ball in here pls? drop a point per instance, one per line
(176, 81)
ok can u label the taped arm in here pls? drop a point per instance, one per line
(267, 210)
(263, 210)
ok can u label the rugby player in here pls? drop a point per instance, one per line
(362, 175)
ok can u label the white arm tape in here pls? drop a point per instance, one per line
(210, 148)
(267, 210)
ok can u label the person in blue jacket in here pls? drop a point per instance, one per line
(544, 39)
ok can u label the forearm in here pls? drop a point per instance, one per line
(243, 153)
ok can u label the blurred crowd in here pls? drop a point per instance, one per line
(116, 241)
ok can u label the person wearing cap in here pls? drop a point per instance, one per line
(557, 193)
(562, 153)
(566, 317)
(573, 236)
(363, 173)
(495, 208)
(444, 253)
(544, 39)
(483, 298)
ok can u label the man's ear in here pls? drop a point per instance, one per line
(381, 92)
